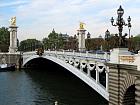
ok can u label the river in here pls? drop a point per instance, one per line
(44, 87)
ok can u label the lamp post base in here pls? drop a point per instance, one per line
(116, 52)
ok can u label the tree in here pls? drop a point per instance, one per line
(135, 42)
(4, 39)
(53, 40)
(61, 41)
(71, 44)
(94, 43)
(88, 44)
(30, 45)
(45, 42)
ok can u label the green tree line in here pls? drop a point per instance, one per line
(56, 41)
(4, 39)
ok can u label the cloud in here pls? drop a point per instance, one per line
(37, 18)
(9, 4)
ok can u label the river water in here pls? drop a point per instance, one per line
(44, 87)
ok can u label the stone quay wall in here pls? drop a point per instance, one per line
(11, 58)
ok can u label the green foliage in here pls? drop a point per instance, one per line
(94, 43)
(136, 42)
(107, 44)
(60, 41)
(4, 39)
(71, 44)
(4, 36)
(137, 38)
(54, 41)
(45, 42)
(30, 45)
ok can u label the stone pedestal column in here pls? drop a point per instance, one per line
(81, 39)
(13, 39)
(116, 52)
(137, 60)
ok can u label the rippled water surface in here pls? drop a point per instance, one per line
(44, 87)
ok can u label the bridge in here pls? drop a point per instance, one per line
(118, 83)
(115, 76)
(80, 64)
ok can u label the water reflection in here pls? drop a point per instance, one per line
(65, 87)
(43, 87)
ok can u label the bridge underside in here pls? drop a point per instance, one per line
(44, 64)
(40, 64)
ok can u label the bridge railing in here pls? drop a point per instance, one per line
(122, 58)
(119, 59)
(88, 55)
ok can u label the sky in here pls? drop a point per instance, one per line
(37, 18)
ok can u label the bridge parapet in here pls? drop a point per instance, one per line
(137, 61)
(117, 56)
(123, 56)
(26, 55)
(84, 55)
(127, 59)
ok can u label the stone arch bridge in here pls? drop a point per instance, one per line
(118, 83)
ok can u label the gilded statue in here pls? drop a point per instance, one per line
(13, 21)
(82, 25)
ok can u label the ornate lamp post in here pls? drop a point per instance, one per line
(120, 22)
(129, 25)
(129, 40)
(107, 36)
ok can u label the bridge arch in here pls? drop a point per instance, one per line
(129, 96)
(38, 63)
(128, 90)
(89, 81)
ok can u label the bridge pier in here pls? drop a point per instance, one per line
(137, 86)
(124, 84)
